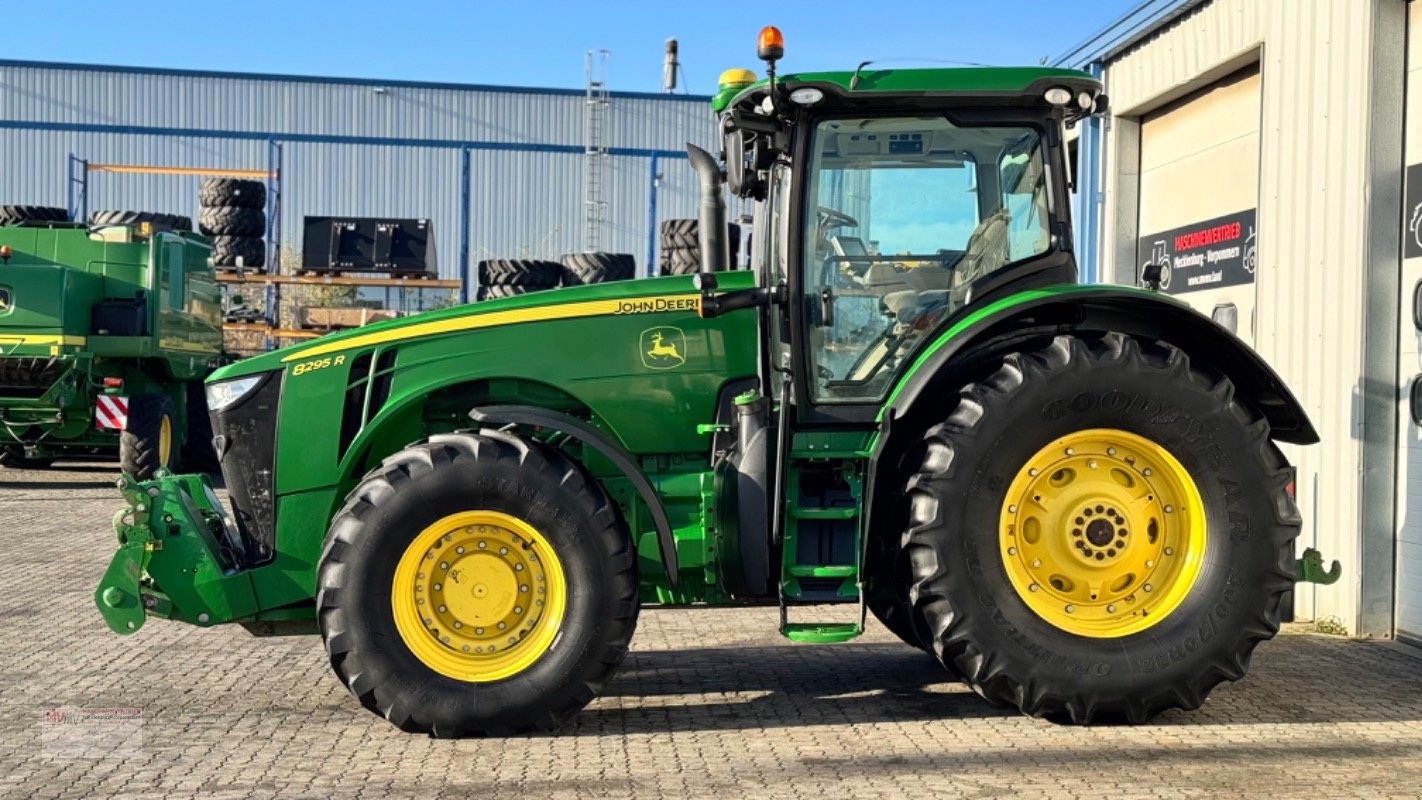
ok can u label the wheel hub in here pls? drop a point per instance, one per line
(478, 596)
(1102, 533)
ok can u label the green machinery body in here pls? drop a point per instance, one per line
(655, 383)
(80, 305)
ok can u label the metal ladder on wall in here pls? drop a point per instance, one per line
(595, 151)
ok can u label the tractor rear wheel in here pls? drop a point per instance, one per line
(1100, 531)
(477, 584)
(149, 440)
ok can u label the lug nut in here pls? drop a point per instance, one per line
(1012, 551)
(1170, 551)
(1169, 509)
(1071, 451)
(1070, 609)
(1111, 609)
(1034, 587)
(1146, 588)
(1110, 451)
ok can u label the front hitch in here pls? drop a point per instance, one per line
(179, 557)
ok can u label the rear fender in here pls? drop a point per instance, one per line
(1089, 309)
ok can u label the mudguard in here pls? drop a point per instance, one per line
(1106, 308)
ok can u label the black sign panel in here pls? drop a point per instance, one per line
(1412, 237)
(1206, 255)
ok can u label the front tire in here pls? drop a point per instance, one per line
(477, 584)
(1099, 531)
(149, 441)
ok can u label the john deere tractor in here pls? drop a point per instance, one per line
(1068, 495)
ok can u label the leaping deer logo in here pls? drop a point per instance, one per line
(663, 348)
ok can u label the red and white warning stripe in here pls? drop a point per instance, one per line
(111, 412)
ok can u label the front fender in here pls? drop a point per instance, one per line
(1129, 310)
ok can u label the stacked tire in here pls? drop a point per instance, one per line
(154, 219)
(233, 216)
(506, 277)
(582, 269)
(681, 246)
(15, 215)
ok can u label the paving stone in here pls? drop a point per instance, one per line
(709, 702)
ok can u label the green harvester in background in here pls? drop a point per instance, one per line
(106, 334)
(1068, 495)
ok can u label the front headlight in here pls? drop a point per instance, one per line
(224, 394)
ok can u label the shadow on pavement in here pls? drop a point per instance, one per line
(1296, 679)
(779, 686)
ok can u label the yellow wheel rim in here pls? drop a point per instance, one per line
(165, 441)
(1103, 533)
(478, 596)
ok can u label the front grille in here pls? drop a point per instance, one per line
(29, 377)
(244, 437)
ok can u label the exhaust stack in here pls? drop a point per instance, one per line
(711, 215)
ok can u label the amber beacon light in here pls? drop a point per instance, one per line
(771, 45)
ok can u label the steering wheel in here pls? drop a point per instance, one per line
(833, 218)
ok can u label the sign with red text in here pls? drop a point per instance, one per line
(1212, 254)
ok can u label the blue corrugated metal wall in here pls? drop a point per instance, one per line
(355, 147)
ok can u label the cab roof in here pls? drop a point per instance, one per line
(959, 81)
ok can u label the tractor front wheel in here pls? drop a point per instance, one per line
(477, 584)
(149, 440)
(1100, 530)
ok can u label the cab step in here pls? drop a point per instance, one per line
(820, 632)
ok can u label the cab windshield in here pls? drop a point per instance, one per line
(904, 214)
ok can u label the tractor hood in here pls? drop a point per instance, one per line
(605, 299)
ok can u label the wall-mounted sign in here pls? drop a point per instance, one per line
(1412, 237)
(1206, 255)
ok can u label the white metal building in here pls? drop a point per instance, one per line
(1257, 149)
(361, 148)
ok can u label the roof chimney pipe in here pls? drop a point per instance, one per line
(669, 68)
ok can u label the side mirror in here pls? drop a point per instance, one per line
(743, 176)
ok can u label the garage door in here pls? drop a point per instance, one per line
(1409, 463)
(1198, 195)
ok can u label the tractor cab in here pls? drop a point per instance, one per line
(888, 203)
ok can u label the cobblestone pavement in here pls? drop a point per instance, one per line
(710, 702)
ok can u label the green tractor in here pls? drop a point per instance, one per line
(1068, 495)
(106, 333)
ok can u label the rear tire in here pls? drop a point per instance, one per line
(389, 516)
(531, 273)
(973, 532)
(12, 215)
(580, 269)
(232, 221)
(232, 192)
(227, 251)
(156, 219)
(150, 441)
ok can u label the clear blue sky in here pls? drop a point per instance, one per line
(530, 43)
